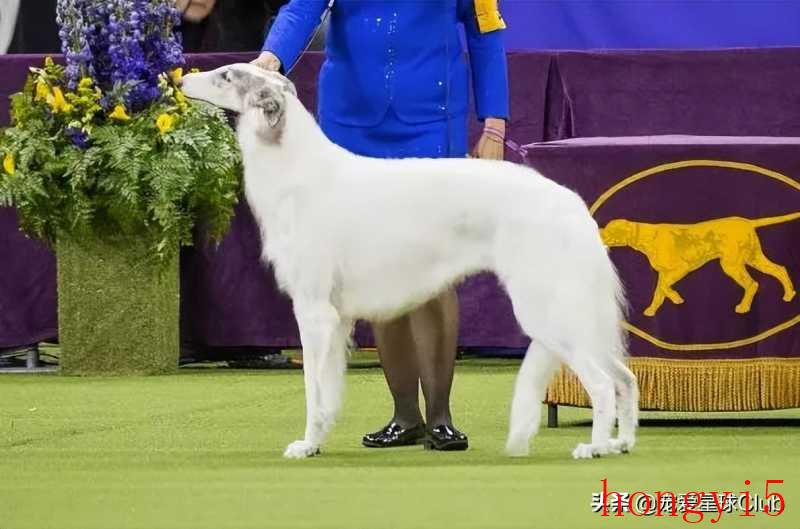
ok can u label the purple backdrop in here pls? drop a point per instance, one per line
(654, 24)
(230, 300)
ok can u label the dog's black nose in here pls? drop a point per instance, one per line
(231, 116)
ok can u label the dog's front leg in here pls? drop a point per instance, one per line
(309, 445)
(323, 370)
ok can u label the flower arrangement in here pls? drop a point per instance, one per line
(108, 144)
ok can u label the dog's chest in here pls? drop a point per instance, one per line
(279, 232)
(287, 246)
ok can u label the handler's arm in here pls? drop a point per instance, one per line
(290, 33)
(487, 57)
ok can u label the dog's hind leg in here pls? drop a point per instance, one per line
(319, 325)
(627, 389)
(600, 387)
(526, 406)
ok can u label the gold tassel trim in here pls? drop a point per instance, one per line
(699, 385)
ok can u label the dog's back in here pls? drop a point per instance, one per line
(408, 228)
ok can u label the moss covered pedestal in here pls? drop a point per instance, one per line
(118, 307)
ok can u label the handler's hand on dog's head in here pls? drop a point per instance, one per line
(268, 61)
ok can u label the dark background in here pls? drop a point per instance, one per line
(233, 25)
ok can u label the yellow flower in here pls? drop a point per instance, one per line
(42, 90)
(57, 102)
(48, 62)
(165, 123)
(119, 114)
(180, 99)
(177, 76)
(85, 83)
(8, 163)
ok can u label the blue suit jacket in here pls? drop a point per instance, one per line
(401, 54)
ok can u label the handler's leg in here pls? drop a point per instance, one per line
(435, 327)
(396, 351)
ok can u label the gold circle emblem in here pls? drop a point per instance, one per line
(681, 165)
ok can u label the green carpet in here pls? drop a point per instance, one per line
(202, 449)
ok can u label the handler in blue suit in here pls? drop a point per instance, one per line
(395, 84)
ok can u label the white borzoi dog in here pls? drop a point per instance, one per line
(353, 237)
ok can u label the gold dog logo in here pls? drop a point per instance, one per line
(675, 250)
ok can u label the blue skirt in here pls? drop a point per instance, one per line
(394, 138)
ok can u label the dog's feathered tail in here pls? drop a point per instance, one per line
(350, 344)
(626, 385)
(622, 308)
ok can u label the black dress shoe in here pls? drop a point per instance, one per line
(395, 435)
(445, 437)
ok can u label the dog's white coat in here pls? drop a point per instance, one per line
(353, 237)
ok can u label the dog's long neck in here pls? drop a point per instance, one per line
(282, 166)
(292, 149)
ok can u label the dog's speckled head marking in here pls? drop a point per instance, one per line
(242, 88)
(271, 103)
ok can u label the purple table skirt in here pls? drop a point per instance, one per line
(688, 180)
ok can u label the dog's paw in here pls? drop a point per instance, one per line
(300, 450)
(588, 451)
(619, 446)
(625, 443)
(517, 448)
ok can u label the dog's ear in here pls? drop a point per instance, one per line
(288, 86)
(283, 82)
(270, 103)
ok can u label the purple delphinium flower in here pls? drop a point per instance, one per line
(74, 35)
(126, 43)
(97, 13)
(78, 137)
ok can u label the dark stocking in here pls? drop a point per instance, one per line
(435, 330)
(396, 351)
(421, 347)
